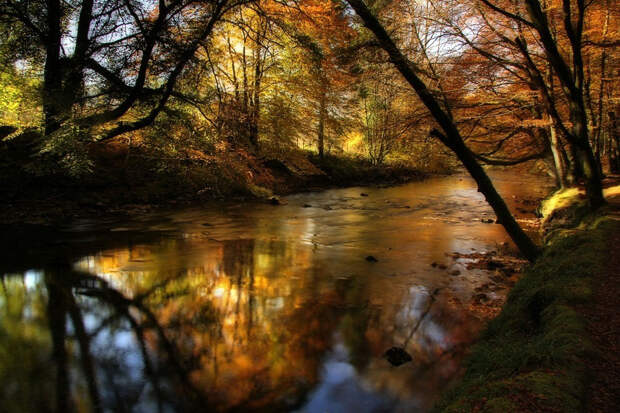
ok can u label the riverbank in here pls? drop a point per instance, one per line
(127, 182)
(554, 345)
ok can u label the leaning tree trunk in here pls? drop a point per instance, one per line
(450, 136)
(486, 187)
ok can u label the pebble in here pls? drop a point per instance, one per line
(397, 356)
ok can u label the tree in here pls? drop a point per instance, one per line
(483, 80)
(569, 69)
(383, 121)
(112, 66)
(449, 135)
(239, 58)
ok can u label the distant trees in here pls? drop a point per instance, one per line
(517, 97)
(384, 120)
(270, 73)
(319, 30)
(20, 100)
(237, 60)
(483, 82)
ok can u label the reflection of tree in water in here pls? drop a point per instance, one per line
(246, 328)
(24, 348)
(238, 257)
(104, 376)
(433, 328)
(289, 326)
(235, 337)
(238, 263)
(356, 320)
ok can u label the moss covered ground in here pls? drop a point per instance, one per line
(534, 356)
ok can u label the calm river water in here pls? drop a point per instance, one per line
(250, 307)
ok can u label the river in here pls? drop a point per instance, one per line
(253, 307)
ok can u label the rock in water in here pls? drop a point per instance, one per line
(493, 265)
(277, 201)
(370, 258)
(397, 356)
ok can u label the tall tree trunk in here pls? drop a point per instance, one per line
(600, 131)
(574, 168)
(587, 161)
(614, 143)
(52, 75)
(550, 137)
(451, 136)
(567, 170)
(255, 115)
(74, 83)
(322, 116)
(560, 166)
(244, 65)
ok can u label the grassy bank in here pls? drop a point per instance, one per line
(534, 356)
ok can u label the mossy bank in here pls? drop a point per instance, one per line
(534, 356)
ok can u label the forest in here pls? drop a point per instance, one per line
(154, 149)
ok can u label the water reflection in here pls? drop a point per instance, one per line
(257, 309)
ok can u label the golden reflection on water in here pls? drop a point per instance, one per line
(266, 308)
(255, 317)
